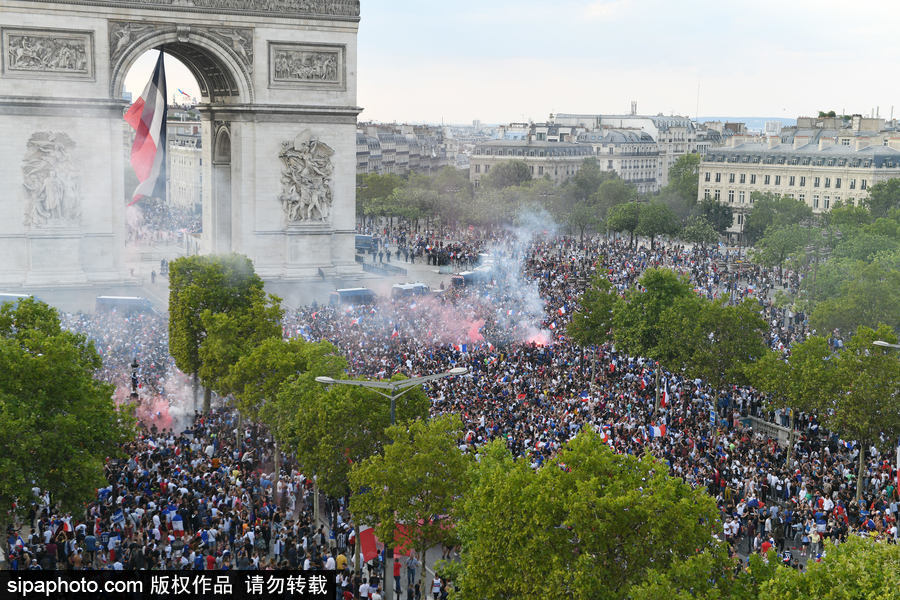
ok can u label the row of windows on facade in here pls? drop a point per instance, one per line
(791, 180)
(554, 152)
(826, 200)
(802, 161)
(540, 170)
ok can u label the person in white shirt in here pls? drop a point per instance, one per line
(364, 589)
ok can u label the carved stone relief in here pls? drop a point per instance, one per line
(335, 8)
(240, 40)
(33, 52)
(123, 34)
(51, 180)
(306, 185)
(306, 65)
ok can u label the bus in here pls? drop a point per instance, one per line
(352, 296)
(123, 304)
(14, 298)
(404, 290)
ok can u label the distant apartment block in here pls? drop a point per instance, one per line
(819, 162)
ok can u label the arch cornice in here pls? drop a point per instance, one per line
(332, 10)
(221, 69)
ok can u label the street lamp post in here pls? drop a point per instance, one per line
(393, 390)
(885, 344)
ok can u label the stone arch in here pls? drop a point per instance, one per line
(223, 75)
(222, 145)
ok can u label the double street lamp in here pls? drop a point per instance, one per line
(393, 390)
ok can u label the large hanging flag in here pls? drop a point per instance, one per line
(147, 116)
(368, 547)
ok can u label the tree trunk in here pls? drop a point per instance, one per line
(207, 400)
(237, 432)
(422, 580)
(862, 469)
(357, 551)
(277, 473)
(790, 451)
(315, 503)
(195, 384)
(656, 370)
(594, 365)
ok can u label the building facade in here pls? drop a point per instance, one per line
(184, 184)
(400, 149)
(557, 160)
(817, 166)
(675, 136)
(631, 153)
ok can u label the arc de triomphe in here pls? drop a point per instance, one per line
(278, 87)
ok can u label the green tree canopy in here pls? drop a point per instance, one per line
(719, 215)
(214, 283)
(773, 210)
(883, 197)
(506, 174)
(798, 383)
(866, 294)
(230, 335)
(699, 231)
(857, 569)
(684, 177)
(637, 326)
(593, 321)
(330, 428)
(57, 423)
(779, 243)
(414, 484)
(656, 219)
(624, 217)
(588, 524)
(865, 405)
(711, 340)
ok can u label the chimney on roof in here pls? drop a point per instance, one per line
(772, 141)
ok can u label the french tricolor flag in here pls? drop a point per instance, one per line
(665, 396)
(147, 116)
(177, 525)
(657, 431)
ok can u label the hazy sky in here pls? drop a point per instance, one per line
(506, 60)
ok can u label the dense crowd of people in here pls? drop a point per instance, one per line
(153, 221)
(207, 497)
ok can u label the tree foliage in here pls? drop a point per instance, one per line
(593, 321)
(778, 243)
(218, 284)
(711, 340)
(773, 210)
(506, 174)
(330, 428)
(57, 423)
(866, 403)
(699, 231)
(589, 524)
(231, 335)
(684, 177)
(883, 197)
(865, 294)
(414, 484)
(624, 217)
(858, 569)
(637, 326)
(719, 215)
(656, 219)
